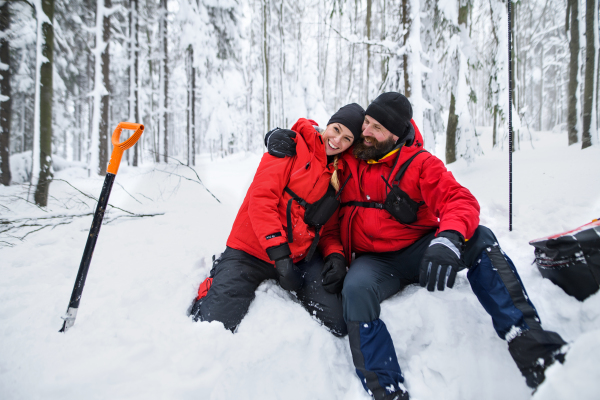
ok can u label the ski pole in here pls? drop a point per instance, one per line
(113, 167)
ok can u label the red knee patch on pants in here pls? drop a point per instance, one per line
(203, 289)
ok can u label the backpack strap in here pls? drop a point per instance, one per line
(404, 166)
(365, 204)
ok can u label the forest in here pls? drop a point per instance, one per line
(213, 76)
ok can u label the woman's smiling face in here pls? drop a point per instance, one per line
(337, 138)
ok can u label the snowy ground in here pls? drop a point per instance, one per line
(132, 338)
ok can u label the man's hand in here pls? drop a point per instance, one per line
(290, 277)
(442, 260)
(333, 273)
(280, 142)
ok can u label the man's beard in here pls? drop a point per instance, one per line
(374, 152)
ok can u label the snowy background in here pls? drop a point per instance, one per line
(133, 340)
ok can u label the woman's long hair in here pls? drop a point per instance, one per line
(335, 180)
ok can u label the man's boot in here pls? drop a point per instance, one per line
(534, 351)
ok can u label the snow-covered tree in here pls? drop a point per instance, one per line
(5, 95)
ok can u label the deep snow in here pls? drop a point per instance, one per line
(132, 338)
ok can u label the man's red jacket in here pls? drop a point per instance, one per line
(261, 221)
(448, 205)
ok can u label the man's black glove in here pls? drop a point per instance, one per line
(279, 142)
(290, 277)
(442, 260)
(333, 273)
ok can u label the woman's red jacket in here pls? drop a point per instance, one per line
(261, 222)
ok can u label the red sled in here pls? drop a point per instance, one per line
(571, 259)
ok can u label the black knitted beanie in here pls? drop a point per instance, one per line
(394, 112)
(352, 117)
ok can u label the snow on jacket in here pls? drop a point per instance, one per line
(448, 205)
(261, 222)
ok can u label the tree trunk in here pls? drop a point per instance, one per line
(266, 90)
(463, 12)
(104, 121)
(133, 73)
(191, 105)
(541, 113)
(45, 175)
(166, 85)
(451, 133)
(590, 61)
(368, 23)
(6, 101)
(495, 124)
(282, 45)
(572, 6)
(384, 59)
(136, 67)
(406, 26)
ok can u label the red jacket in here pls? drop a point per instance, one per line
(448, 205)
(261, 221)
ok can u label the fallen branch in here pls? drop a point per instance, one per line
(19, 228)
(91, 197)
(199, 181)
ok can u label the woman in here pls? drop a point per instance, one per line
(279, 225)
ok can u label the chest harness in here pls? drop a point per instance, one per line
(397, 202)
(315, 215)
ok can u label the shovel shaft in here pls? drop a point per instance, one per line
(86, 259)
(88, 252)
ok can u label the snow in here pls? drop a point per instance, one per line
(133, 340)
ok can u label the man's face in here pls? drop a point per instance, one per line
(375, 142)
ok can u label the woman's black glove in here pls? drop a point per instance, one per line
(290, 277)
(280, 142)
(442, 260)
(333, 273)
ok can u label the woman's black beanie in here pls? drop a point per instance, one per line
(394, 112)
(352, 117)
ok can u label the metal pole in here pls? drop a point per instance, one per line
(510, 131)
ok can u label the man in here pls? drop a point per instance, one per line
(406, 219)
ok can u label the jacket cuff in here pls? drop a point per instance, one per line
(278, 252)
(454, 236)
(335, 255)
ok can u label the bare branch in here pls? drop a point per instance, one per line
(128, 192)
(91, 197)
(199, 181)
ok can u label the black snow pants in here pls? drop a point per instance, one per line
(235, 277)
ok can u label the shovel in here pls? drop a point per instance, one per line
(113, 167)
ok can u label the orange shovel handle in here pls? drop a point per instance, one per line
(119, 148)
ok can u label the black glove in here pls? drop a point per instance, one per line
(333, 273)
(442, 260)
(279, 142)
(290, 277)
